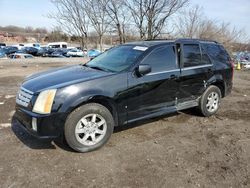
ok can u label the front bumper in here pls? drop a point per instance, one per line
(48, 126)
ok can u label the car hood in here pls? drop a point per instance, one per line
(61, 77)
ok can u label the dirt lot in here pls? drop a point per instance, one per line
(179, 150)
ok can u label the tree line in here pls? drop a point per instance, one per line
(143, 19)
(28, 29)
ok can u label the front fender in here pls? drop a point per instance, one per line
(65, 101)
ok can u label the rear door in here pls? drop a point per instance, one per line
(156, 91)
(196, 69)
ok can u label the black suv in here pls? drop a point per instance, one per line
(128, 83)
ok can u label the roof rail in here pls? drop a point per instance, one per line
(157, 39)
(183, 39)
(196, 39)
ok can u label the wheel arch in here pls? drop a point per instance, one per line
(217, 80)
(221, 86)
(102, 100)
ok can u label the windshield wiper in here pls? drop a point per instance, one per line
(99, 68)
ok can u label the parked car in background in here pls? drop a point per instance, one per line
(58, 45)
(30, 50)
(19, 46)
(93, 53)
(10, 50)
(247, 66)
(45, 51)
(245, 63)
(2, 54)
(85, 51)
(75, 53)
(20, 56)
(60, 53)
(34, 45)
(243, 58)
(2, 45)
(131, 82)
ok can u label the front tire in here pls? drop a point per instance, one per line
(88, 127)
(210, 101)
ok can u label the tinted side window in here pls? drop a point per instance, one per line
(161, 59)
(191, 55)
(225, 55)
(217, 52)
(204, 57)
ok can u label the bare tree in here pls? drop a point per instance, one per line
(97, 14)
(71, 16)
(221, 32)
(138, 13)
(119, 15)
(150, 16)
(188, 23)
(193, 24)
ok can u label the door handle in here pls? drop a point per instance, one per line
(209, 70)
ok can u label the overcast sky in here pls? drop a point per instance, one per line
(26, 13)
(33, 12)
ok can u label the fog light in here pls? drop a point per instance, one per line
(34, 124)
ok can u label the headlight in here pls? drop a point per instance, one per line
(44, 102)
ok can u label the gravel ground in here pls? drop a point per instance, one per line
(178, 150)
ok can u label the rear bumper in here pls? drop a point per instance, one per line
(48, 126)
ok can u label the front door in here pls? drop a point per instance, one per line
(155, 92)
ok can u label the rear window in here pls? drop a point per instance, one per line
(217, 52)
(205, 57)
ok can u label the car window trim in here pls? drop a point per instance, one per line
(197, 67)
(162, 72)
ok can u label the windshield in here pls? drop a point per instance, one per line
(116, 59)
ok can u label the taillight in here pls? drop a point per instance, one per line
(232, 67)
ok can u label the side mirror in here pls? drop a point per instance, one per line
(142, 70)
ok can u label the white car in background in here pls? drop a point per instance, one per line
(19, 46)
(75, 53)
(58, 45)
(20, 56)
(34, 45)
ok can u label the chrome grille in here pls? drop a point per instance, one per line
(24, 97)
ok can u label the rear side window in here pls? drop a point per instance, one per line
(161, 59)
(217, 52)
(191, 55)
(205, 57)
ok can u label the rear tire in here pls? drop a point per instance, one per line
(210, 101)
(88, 127)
